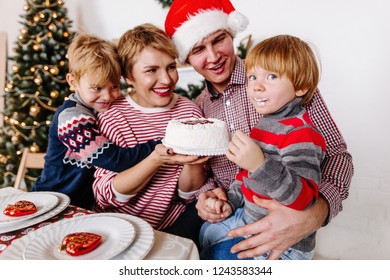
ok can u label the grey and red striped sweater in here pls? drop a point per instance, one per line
(293, 150)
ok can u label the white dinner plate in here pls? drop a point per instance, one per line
(63, 202)
(144, 238)
(117, 235)
(43, 201)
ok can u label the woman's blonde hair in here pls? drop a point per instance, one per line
(135, 40)
(95, 57)
(285, 54)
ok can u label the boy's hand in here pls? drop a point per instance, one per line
(203, 211)
(219, 206)
(244, 152)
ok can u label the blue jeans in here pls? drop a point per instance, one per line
(216, 245)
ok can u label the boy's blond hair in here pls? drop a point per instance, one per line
(285, 54)
(95, 57)
(134, 41)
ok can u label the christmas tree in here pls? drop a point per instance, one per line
(36, 85)
(165, 3)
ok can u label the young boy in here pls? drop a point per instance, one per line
(75, 142)
(281, 159)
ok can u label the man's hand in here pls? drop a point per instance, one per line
(282, 228)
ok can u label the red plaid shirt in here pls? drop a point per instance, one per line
(234, 107)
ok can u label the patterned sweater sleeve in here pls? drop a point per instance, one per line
(78, 131)
(293, 178)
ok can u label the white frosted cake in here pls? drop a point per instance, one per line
(197, 136)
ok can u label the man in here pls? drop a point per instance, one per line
(203, 33)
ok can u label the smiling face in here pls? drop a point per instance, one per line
(154, 76)
(288, 58)
(268, 91)
(97, 97)
(214, 59)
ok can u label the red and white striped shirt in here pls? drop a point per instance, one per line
(128, 124)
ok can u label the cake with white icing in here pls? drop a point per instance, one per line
(197, 136)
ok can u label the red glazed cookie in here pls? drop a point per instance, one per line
(20, 208)
(80, 243)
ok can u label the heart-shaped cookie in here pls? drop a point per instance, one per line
(80, 243)
(20, 208)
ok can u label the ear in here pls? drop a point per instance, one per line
(71, 81)
(129, 81)
(301, 92)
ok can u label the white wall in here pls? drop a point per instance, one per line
(353, 39)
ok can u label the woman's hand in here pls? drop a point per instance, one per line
(279, 230)
(167, 156)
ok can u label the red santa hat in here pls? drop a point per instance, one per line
(189, 22)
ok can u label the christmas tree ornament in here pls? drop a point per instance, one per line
(38, 80)
(35, 110)
(36, 47)
(54, 94)
(34, 148)
(9, 85)
(15, 68)
(15, 139)
(3, 159)
(9, 166)
(54, 70)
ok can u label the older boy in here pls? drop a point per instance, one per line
(76, 145)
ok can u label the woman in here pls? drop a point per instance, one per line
(158, 188)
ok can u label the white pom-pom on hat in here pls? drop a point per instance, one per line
(237, 21)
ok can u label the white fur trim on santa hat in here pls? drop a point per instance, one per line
(201, 25)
